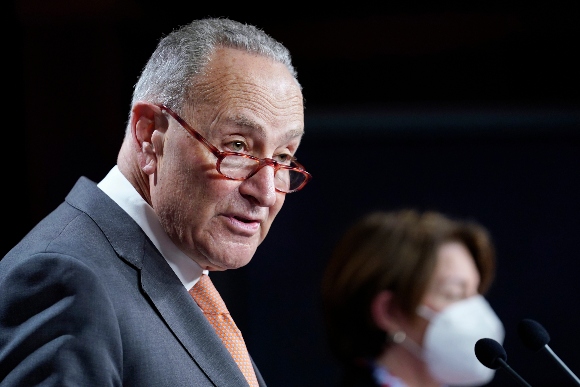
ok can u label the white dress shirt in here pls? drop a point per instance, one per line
(118, 188)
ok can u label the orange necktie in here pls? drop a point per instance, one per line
(209, 300)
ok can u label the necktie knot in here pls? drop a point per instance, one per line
(207, 296)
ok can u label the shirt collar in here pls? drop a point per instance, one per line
(118, 188)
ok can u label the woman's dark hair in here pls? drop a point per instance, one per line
(395, 251)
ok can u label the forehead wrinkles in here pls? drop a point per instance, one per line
(270, 100)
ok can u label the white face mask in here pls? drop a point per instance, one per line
(449, 342)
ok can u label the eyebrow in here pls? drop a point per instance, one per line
(245, 121)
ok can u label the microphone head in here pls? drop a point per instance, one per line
(489, 352)
(533, 334)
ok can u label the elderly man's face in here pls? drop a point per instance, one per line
(247, 104)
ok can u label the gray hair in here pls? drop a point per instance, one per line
(182, 54)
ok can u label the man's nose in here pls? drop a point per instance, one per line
(261, 185)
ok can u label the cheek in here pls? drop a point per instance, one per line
(421, 329)
(192, 177)
(444, 298)
(183, 187)
(272, 213)
(275, 209)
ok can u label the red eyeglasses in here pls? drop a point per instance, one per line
(289, 176)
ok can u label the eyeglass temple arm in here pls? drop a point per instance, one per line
(192, 131)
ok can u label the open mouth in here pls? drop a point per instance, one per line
(244, 220)
(245, 226)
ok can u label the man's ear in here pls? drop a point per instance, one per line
(383, 312)
(146, 118)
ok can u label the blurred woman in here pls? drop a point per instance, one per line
(403, 300)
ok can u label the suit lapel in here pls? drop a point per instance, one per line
(187, 321)
(159, 283)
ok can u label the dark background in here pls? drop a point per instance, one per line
(471, 110)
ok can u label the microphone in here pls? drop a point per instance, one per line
(491, 354)
(535, 337)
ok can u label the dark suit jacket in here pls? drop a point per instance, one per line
(87, 300)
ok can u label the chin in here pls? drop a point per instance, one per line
(228, 262)
(240, 263)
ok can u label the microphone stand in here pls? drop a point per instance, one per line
(561, 363)
(513, 373)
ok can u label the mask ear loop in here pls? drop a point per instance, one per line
(401, 338)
